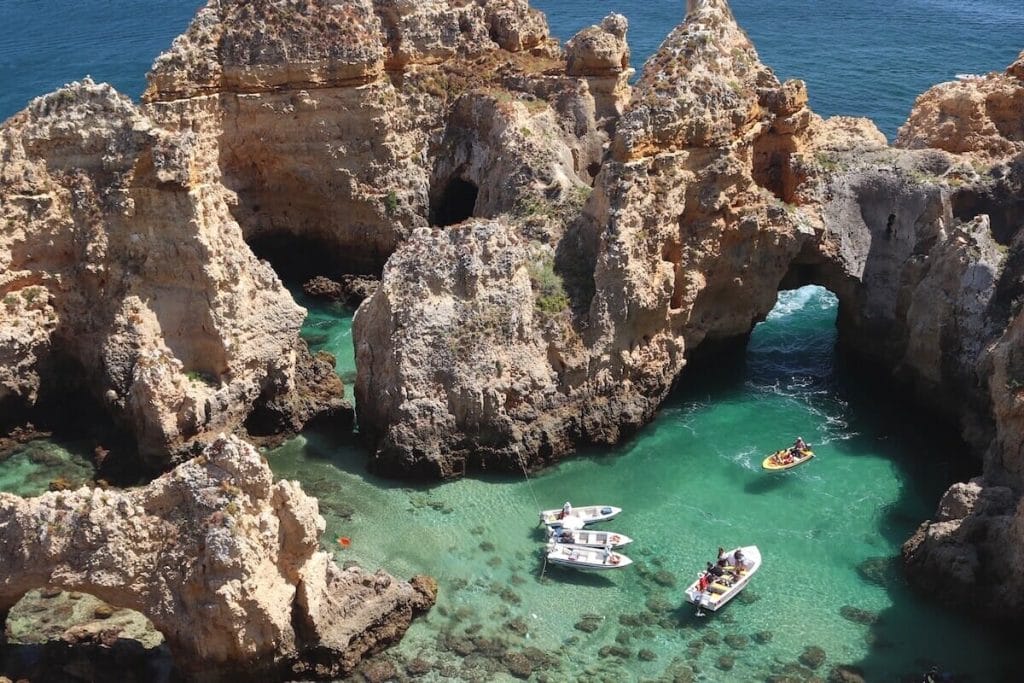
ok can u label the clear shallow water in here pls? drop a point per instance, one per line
(829, 530)
(868, 58)
(328, 327)
(689, 482)
(29, 469)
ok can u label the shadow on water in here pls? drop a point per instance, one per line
(122, 661)
(874, 419)
(557, 574)
(770, 482)
(889, 629)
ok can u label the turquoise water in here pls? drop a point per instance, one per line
(868, 58)
(328, 327)
(30, 469)
(829, 531)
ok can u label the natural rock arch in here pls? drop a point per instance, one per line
(224, 562)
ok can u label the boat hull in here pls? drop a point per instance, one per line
(593, 539)
(774, 461)
(590, 514)
(585, 558)
(714, 597)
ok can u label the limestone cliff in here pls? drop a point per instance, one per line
(972, 553)
(686, 234)
(341, 127)
(979, 116)
(458, 361)
(122, 270)
(224, 561)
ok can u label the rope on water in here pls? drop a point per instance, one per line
(526, 475)
(536, 501)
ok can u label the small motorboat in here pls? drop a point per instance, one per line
(585, 557)
(588, 515)
(785, 459)
(711, 593)
(588, 537)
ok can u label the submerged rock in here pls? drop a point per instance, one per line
(857, 615)
(812, 656)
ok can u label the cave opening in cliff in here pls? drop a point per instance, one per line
(1003, 209)
(68, 417)
(298, 258)
(773, 166)
(455, 203)
(51, 632)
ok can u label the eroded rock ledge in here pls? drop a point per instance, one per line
(122, 271)
(224, 561)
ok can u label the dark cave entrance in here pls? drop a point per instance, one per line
(51, 632)
(298, 258)
(1003, 209)
(68, 412)
(455, 204)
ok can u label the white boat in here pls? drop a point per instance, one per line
(588, 537)
(720, 591)
(585, 557)
(588, 515)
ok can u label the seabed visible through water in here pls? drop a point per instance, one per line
(830, 591)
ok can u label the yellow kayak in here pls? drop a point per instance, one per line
(782, 460)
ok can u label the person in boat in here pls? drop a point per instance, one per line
(714, 571)
(723, 558)
(737, 562)
(565, 536)
(607, 555)
(703, 581)
(566, 510)
(799, 446)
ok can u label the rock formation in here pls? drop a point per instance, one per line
(972, 553)
(687, 234)
(458, 345)
(589, 237)
(122, 270)
(325, 118)
(719, 188)
(979, 116)
(224, 561)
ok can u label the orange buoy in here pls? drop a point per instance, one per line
(344, 541)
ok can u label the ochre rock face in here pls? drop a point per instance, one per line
(457, 341)
(223, 561)
(685, 234)
(972, 554)
(117, 254)
(599, 50)
(324, 117)
(979, 116)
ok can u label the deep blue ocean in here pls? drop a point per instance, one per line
(830, 531)
(868, 58)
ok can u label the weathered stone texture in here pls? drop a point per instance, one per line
(224, 561)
